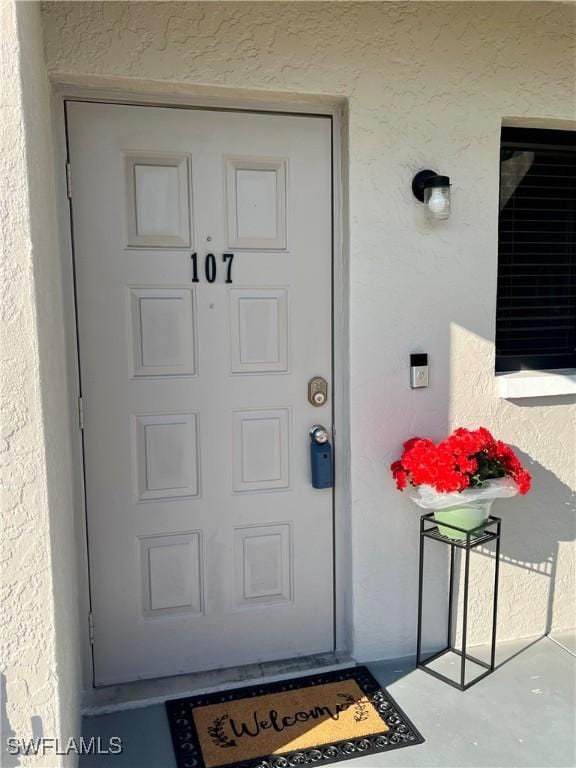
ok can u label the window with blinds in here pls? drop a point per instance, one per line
(536, 302)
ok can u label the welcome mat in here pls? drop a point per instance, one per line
(315, 719)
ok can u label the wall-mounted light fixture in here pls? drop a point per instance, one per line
(434, 191)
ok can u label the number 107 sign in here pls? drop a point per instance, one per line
(211, 267)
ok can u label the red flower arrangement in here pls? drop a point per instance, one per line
(463, 460)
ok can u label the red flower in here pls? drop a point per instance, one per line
(422, 442)
(400, 475)
(464, 459)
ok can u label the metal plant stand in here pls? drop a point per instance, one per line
(475, 538)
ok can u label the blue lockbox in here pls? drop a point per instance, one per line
(321, 465)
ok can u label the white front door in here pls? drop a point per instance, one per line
(202, 244)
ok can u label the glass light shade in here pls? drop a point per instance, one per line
(437, 199)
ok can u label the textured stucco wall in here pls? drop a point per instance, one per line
(428, 85)
(40, 650)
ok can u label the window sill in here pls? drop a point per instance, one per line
(536, 383)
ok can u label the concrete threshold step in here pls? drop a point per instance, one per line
(143, 693)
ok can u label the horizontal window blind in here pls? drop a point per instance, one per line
(536, 301)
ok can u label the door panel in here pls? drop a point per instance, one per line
(208, 546)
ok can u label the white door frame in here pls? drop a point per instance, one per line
(123, 91)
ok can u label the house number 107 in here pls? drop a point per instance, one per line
(211, 268)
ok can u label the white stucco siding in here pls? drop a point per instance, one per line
(40, 647)
(428, 85)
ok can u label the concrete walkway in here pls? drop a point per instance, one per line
(522, 716)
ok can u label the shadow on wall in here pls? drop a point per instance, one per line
(533, 529)
(27, 744)
(6, 759)
(532, 533)
(538, 530)
(537, 564)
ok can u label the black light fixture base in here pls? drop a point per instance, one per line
(419, 183)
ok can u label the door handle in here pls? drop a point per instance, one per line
(318, 434)
(321, 457)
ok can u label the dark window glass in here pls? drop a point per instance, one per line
(536, 304)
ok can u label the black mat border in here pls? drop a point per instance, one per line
(402, 731)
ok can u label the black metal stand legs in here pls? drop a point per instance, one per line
(489, 531)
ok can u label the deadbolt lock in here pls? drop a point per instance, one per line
(317, 391)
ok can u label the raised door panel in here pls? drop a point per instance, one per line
(256, 203)
(259, 330)
(171, 567)
(261, 446)
(162, 331)
(158, 200)
(263, 564)
(166, 456)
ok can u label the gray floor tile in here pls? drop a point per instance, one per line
(522, 716)
(567, 639)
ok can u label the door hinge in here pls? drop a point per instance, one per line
(69, 180)
(91, 628)
(81, 413)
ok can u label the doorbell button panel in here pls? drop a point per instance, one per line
(317, 391)
(418, 370)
